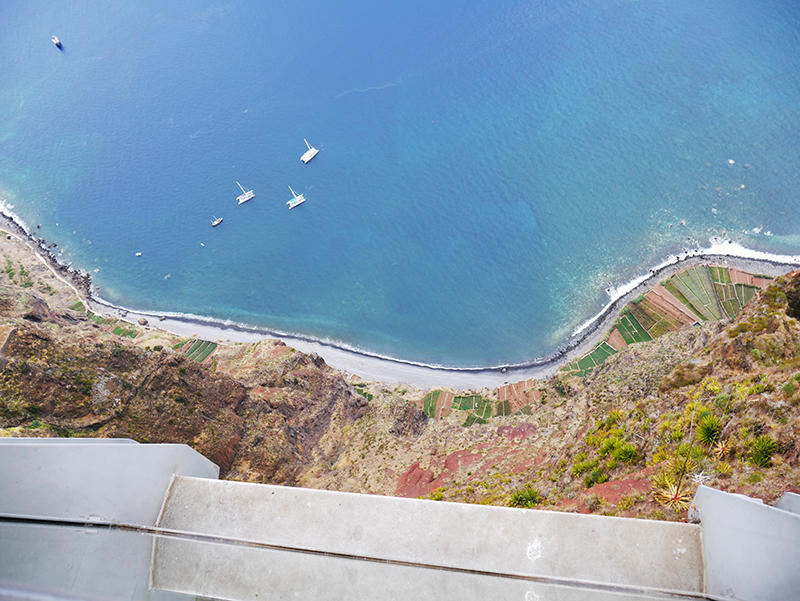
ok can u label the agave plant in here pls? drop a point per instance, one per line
(673, 496)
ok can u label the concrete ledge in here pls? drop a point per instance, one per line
(752, 550)
(74, 479)
(246, 573)
(635, 553)
(72, 563)
(789, 502)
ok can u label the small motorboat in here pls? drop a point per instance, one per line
(56, 41)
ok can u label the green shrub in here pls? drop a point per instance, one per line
(723, 402)
(762, 450)
(609, 445)
(583, 466)
(438, 494)
(614, 417)
(595, 477)
(526, 497)
(626, 453)
(708, 429)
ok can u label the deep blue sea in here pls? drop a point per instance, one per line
(486, 169)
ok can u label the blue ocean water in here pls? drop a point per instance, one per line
(486, 170)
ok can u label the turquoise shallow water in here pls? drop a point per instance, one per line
(485, 172)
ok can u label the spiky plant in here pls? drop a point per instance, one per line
(721, 449)
(673, 496)
(708, 429)
(661, 480)
(724, 469)
(762, 450)
(687, 459)
(526, 497)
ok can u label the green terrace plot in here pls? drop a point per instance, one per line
(745, 293)
(675, 291)
(726, 291)
(504, 408)
(120, 328)
(479, 408)
(125, 332)
(654, 320)
(630, 328)
(697, 288)
(732, 296)
(590, 360)
(429, 403)
(102, 321)
(720, 274)
(199, 350)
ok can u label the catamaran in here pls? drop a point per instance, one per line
(310, 153)
(296, 200)
(216, 222)
(245, 195)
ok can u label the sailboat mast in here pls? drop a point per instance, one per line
(240, 187)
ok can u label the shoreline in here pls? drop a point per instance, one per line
(398, 371)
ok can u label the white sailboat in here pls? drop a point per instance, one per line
(245, 195)
(296, 200)
(310, 153)
(216, 222)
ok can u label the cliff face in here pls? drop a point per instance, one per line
(716, 404)
(66, 376)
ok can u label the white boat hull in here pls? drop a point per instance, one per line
(310, 153)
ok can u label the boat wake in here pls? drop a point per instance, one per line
(354, 90)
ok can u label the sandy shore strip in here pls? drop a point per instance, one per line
(393, 371)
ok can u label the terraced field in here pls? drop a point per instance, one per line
(698, 289)
(200, 350)
(439, 403)
(631, 330)
(699, 293)
(590, 360)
